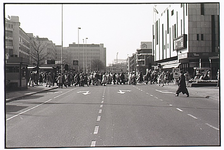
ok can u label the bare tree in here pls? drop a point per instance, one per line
(97, 65)
(38, 53)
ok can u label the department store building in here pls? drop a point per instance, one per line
(187, 36)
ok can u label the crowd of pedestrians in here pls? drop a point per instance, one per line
(95, 78)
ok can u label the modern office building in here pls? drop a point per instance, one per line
(82, 57)
(142, 60)
(187, 35)
(17, 42)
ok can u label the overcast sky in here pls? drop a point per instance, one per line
(121, 28)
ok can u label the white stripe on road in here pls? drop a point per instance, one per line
(165, 92)
(98, 118)
(192, 116)
(96, 130)
(93, 143)
(102, 102)
(100, 111)
(101, 106)
(38, 105)
(28, 110)
(64, 93)
(179, 109)
(212, 127)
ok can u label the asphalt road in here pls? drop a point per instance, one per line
(112, 116)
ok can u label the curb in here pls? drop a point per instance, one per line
(7, 100)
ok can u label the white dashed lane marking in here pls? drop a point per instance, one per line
(192, 116)
(98, 118)
(93, 143)
(179, 109)
(212, 127)
(96, 130)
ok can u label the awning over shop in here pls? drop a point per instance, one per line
(170, 66)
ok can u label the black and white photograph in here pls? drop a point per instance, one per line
(116, 74)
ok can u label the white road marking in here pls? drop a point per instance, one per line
(160, 99)
(64, 93)
(93, 144)
(101, 106)
(165, 92)
(28, 110)
(179, 109)
(156, 97)
(212, 127)
(123, 91)
(170, 105)
(38, 105)
(96, 130)
(192, 116)
(98, 118)
(100, 111)
(102, 101)
(151, 95)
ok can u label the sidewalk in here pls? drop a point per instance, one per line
(13, 95)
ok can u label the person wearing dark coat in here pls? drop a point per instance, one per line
(182, 86)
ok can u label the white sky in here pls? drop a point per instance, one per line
(121, 28)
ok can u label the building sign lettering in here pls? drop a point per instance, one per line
(180, 42)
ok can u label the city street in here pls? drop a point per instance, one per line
(112, 115)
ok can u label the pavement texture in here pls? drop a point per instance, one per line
(14, 95)
(210, 92)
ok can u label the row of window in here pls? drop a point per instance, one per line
(24, 42)
(198, 37)
(8, 25)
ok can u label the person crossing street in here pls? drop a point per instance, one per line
(182, 86)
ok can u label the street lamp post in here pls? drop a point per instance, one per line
(86, 53)
(78, 46)
(83, 55)
(61, 37)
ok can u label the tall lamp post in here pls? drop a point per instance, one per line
(83, 55)
(61, 37)
(86, 53)
(78, 46)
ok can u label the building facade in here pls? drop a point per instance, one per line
(80, 57)
(142, 60)
(17, 42)
(187, 36)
